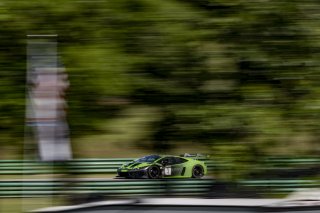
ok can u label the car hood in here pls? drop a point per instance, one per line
(135, 165)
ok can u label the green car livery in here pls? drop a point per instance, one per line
(156, 166)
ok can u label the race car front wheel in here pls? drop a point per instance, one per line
(197, 171)
(154, 172)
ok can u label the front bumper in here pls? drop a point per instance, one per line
(133, 173)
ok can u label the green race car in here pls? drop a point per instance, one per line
(156, 166)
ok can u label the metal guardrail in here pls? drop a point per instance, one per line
(83, 166)
(17, 167)
(281, 186)
(124, 187)
(33, 188)
(18, 188)
(109, 166)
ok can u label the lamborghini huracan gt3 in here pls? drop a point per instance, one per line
(156, 166)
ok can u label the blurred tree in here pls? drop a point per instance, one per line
(239, 76)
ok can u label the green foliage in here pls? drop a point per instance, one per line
(217, 71)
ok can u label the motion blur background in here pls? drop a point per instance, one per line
(235, 79)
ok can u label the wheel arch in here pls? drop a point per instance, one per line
(198, 165)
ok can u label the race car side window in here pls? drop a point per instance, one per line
(179, 160)
(167, 161)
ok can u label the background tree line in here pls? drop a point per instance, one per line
(241, 77)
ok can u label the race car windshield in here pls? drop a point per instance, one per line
(148, 159)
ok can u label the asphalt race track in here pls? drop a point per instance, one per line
(188, 205)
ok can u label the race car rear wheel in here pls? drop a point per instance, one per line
(197, 171)
(154, 172)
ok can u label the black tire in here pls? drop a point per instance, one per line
(197, 171)
(154, 172)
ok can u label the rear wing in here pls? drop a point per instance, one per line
(196, 156)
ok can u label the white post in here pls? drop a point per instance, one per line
(47, 83)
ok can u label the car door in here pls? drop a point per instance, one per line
(168, 163)
(178, 167)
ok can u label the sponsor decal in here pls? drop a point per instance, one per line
(167, 171)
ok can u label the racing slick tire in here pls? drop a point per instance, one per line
(197, 171)
(154, 172)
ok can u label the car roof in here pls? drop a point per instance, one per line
(162, 156)
(176, 156)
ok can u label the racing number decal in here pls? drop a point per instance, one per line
(167, 170)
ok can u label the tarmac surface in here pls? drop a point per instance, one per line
(189, 205)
